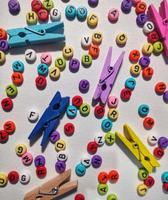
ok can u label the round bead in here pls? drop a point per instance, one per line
(103, 177)
(163, 142)
(99, 111)
(70, 12)
(147, 49)
(112, 102)
(48, 4)
(143, 110)
(24, 178)
(21, 149)
(144, 61)
(84, 109)
(62, 156)
(60, 166)
(54, 137)
(94, 51)
(106, 125)
(60, 145)
(160, 88)
(140, 7)
(54, 73)
(148, 123)
(158, 152)
(99, 139)
(92, 147)
(153, 37)
(46, 58)
(93, 3)
(41, 171)
(86, 41)
(148, 27)
(79, 197)
(130, 83)
(55, 15)
(121, 39)
(86, 161)
(113, 15)
(80, 170)
(67, 52)
(126, 6)
(84, 86)
(27, 158)
(125, 94)
(141, 19)
(36, 5)
(3, 34)
(7, 104)
(71, 111)
(135, 2)
(97, 38)
(77, 101)
(165, 97)
(9, 127)
(42, 15)
(41, 82)
(3, 136)
(2, 58)
(147, 73)
(39, 161)
(14, 7)
(92, 20)
(152, 140)
(113, 176)
(158, 47)
(149, 182)
(86, 60)
(30, 55)
(4, 46)
(42, 69)
(109, 138)
(32, 115)
(135, 70)
(18, 66)
(17, 78)
(164, 177)
(142, 189)
(112, 197)
(143, 174)
(4, 179)
(13, 177)
(113, 114)
(31, 18)
(96, 161)
(165, 187)
(134, 56)
(60, 63)
(69, 129)
(74, 65)
(102, 189)
(81, 13)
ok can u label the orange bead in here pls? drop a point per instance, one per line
(148, 123)
(17, 78)
(9, 127)
(134, 56)
(113, 176)
(147, 73)
(3, 34)
(94, 51)
(160, 88)
(103, 177)
(140, 8)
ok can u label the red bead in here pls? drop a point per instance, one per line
(153, 37)
(158, 152)
(147, 73)
(148, 123)
(165, 187)
(94, 51)
(149, 182)
(69, 129)
(113, 176)
(3, 136)
(125, 94)
(42, 15)
(103, 177)
(160, 88)
(9, 127)
(41, 82)
(3, 34)
(13, 177)
(36, 5)
(134, 56)
(79, 197)
(92, 147)
(77, 101)
(99, 111)
(140, 8)
(41, 171)
(7, 104)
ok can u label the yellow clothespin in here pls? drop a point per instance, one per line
(138, 149)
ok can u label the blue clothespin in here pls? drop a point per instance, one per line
(50, 119)
(36, 34)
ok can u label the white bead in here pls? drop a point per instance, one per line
(32, 115)
(24, 177)
(55, 14)
(86, 41)
(30, 55)
(152, 140)
(62, 156)
(86, 160)
(148, 27)
(99, 139)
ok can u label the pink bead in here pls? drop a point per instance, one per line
(135, 2)
(112, 102)
(46, 58)
(27, 158)
(113, 15)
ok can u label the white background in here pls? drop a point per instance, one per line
(86, 128)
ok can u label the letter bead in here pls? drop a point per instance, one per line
(70, 12)
(94, 51)
(42, 69)
(86, 41)
(93, 3)
(13, 177)
(142, 189)
(86, 161)
(84, 109)
(106, 125)
(84, 86)
(60, 145)
(17, 78)
(149, 182)
(3, 34)
(21, 149)
(140, 7)
(109, 138)
(9, 127)
(163, 142)
(7, 104)
(130, 83)
(46, 58)
(144, 61)
(86, 60)
(3, 179)
(165, 187)
(55, 15)
(81, 13)
(92, 20)
(30, 55)
(79, 197)
(143, 110)
(126, 6)
(99, 111)
(48, 4)
(92, 147)
(147, 73)
(32, 115)
(102, 189)
(41, 171)
(74, 65)
(143, 174)
(158, 152)
(60, 166)
(148, 27)
(3, 136)
(39, 161)
(60, 63)
(112, 197)
(141, 19)
(148, 123)
(69, 129)
(14, 7)
(36, 5)
(54, 137)
(77, 101)
(4, 46)
(31, 18)
(97, 38)
(113, 114)
(27, 158)
(160, 88)
(24, 178)
(112, 102)
(113, 15)
(113, 176)
(152, 140)
(164, 177)
(2, 58)
(71, 111)
(54, 73)
(67, 52)
(153, 37)
(121, 39)
(41, 82)
(43, 15)
(99, 139)
(165, 97)
(96, 161)
(18, 66)
(80, 170)
(103, 177)
(158, 47)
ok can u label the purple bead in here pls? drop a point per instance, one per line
(126, 6)
(60, 166)
(165, 97)
(4, 46)
(14, 7)
(144, 61)
(74, 65)
(54, 137)
(93, 3)
(96, 161)
(84, 85)
(39, 161)
(141, 19)
(163, 142)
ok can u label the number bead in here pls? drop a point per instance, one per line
(142, 189)
(21, 149)
(135, 70)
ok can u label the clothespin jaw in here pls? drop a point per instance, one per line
(54, 189)
(138, 149)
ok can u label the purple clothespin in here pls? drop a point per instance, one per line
(107, 78)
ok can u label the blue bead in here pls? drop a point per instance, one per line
(165, 177)
(130, 83)
(143, 110)
(106, 125)
(80, 170)
(141, 19)
(126, 6)
(81, 13)
(18, 66)
(70, 12)
(71, 111)
(42, 69)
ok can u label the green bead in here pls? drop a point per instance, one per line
(60, 63)
(84, 109)
(86, 60)
(157, 47)
(102, 189)
(112, 197)
(109, 138)
(143, 174)
(11, 90)
(48, 4)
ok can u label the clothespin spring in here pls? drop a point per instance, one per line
(53, 192)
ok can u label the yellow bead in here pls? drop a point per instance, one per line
(54, 73)
(135, 70)
(68, 52)
(60, 145)
(113, 114)
(31, 18)
(92, 20)
(157, 47)
(142, 189)
(20, 149)
(2, 57)
(147, 49)
(97, 38)
(121, 39)
(3, 179)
